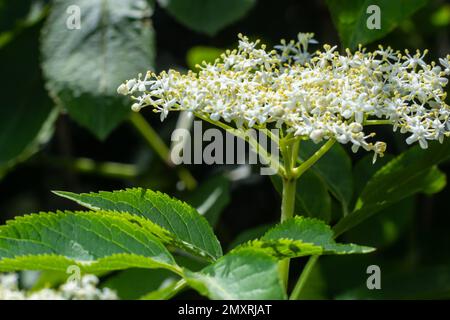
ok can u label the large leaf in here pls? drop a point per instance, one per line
(26, 115)
(334, 169)
(174, 220)
(94, 241)
(350, 18)
(207, 16)
(245, 274)
(411, 172)
(311, 196)
(85, 66)
(298, 237)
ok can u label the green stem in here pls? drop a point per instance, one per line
(295, 295)
(158, 145)
(289, 150)
(181, 284)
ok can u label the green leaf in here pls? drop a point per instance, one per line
(196, 55)
(26, 112)
(245, 274)
(350, 18)
(311, 196)
(338, 181)
(85, 66)
(208, 16)
(410, 173)
(17, 16)
(94, 241)
(300, 236)
(211, 198)
(173, 221)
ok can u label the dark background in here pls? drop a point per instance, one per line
(415, 257)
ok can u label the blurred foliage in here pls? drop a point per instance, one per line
(207, 16)
(109, 31)
(23, 130)
(59, 82)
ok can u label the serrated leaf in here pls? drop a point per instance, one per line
(207, 16)
(174, 221)
(409, 173)
(94, 241)
(300, 236)
(84, 66)
(350, 18)
(245, 274)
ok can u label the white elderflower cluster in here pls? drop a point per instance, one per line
(85, 289)
(320, 96)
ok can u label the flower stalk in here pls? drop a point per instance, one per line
(326, 97)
